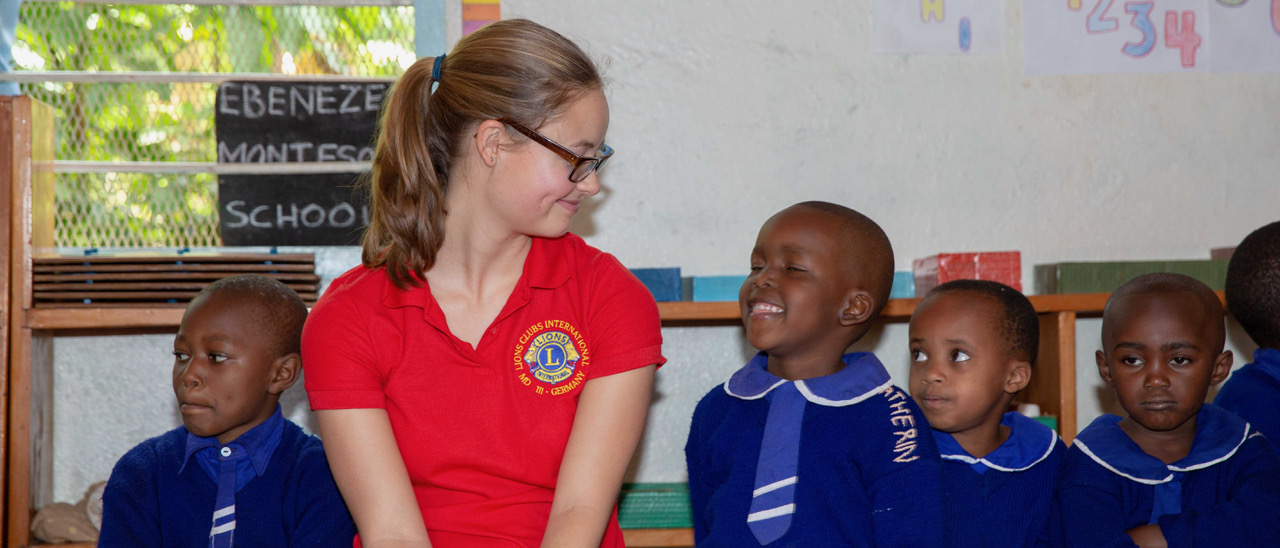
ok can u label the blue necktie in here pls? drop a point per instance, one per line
(223, 529)
(773, 501)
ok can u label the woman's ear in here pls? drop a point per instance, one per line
(489, 138)
(858, 308)
(284, 372)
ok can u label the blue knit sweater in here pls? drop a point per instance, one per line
(295, 503)
(1002, 500)
(1223, 494)
(868, 470)
(1253, 392)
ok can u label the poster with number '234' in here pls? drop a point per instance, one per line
(1100, 36)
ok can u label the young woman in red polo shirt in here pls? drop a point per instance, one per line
(483, 378)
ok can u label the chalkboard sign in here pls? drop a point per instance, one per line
(287, 122)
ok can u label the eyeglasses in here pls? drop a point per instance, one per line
(582, 165)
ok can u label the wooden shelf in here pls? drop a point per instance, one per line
(654, 538)
(166, 318)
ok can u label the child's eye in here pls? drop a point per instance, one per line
(1180, 360)
(756, 268)
(795, 268)
(217, 358)
(180, 356)
(918, 356)
(959, 356)
(1131, 360)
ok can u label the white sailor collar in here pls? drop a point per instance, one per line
(1029, 443)
(1219, 434)
(862, 377)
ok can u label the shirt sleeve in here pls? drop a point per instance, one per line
(338, 355)
(130, 506)
(322, 520)
(1248, 515)
(1088, 506)
(699, 469)
(902, 472)
(625, 329)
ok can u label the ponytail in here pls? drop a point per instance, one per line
(514, 68)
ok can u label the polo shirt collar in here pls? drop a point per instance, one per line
(1267, 360)
(259, 443)
(1029, 443)
(545, 267)
(862, 377)
(1219, 434)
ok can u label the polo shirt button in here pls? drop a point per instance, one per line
(226, 451)
(493, 331)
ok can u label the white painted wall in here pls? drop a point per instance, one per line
(725, 111)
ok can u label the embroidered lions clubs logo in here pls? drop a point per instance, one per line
(551, 357)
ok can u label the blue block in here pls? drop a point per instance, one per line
(904, 286)
(664, 283)
(716, 288)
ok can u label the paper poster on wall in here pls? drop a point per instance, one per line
(1090, 36)
(938, 26)
(478, 13)
(1246, 35)
(1100, 36)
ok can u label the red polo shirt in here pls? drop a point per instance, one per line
(483, 430)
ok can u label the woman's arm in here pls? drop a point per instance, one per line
(606, 429)
(371, 475)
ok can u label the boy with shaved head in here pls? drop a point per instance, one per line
(807, 445)
(1176, 471)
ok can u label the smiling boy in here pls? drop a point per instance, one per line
(1176, 471)
(806, 445)
(973, 343)
(237, 472)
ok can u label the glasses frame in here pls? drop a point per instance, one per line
(596, 162)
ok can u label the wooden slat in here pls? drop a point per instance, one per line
(147, 286)
(1053, 381)
(234, 268)
(655, 538)
(183, 296)
(8, 172)
(285, 277)
(187, 258)
(29, 440)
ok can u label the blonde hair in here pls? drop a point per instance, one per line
(514, 68)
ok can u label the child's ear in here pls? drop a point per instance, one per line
(857, 309)
(1221, 367)
(1104, 369)
(284, 372)
(1017, 376)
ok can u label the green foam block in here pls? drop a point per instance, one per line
(1105, 277)
(654, 506)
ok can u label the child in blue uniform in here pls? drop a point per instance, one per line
(807, 445)
(1253, 296)
(1176, 471)
(237, 473)
(973, 343)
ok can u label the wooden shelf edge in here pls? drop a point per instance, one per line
(640, 538)
(104, 318)
(671, 312)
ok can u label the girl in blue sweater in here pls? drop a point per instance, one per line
(973, 343)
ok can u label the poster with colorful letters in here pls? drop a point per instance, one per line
(938, 26)
(1115, 36)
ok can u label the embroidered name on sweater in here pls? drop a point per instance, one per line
(900, 417)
